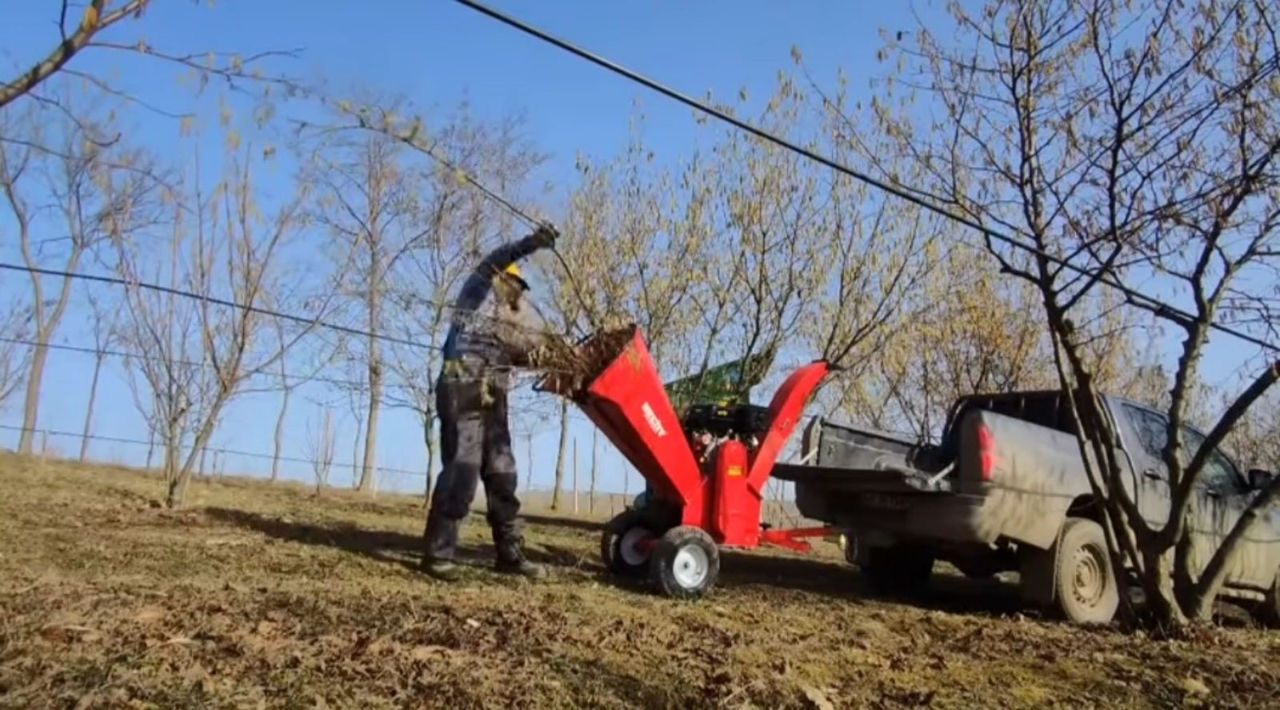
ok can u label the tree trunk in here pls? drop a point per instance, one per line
(370, 461)
(1157, 586)
(151, 446)
(355, 453)
(1200, 602)
(178, 486)
(367, 469)
(171, 444)
(31, 405)
(575, 475)
(279, 438)
(560, 456)
(591, 495)
(375, 395)
(88, 412)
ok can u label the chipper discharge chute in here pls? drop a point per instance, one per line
(706, 475)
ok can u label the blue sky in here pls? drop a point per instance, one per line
(436, 53)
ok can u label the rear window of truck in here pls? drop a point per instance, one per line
(1047, 410)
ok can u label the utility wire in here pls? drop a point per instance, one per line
(314, 322)
(100, 278)
(1152, 303)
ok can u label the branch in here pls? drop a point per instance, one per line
(91, 24)
(1216, 570)
(1226, 423)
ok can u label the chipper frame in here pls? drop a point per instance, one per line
(690, 510)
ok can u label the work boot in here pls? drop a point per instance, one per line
(511, 560)
(443, 570)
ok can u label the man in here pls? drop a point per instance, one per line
(494, 330)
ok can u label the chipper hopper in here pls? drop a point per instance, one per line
(706, 479)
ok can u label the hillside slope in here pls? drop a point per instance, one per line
(267, 596)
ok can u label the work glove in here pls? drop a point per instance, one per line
(544, 237)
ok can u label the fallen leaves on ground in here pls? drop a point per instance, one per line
(265, 596)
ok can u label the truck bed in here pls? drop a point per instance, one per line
(840, 458)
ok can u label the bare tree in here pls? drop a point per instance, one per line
(457, 224)
(1126, 145)
(104, 336)
(313, 362)
(15, 332)
(320, 441)
(591, 490)
(365, 200)
(237, 247)
(286, 389)
(99, 194)
(561, 454)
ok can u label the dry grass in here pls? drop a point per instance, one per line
(266, 596)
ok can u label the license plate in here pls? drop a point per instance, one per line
(877, 500)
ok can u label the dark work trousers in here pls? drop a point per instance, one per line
(475, 445)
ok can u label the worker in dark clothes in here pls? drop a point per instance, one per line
(494, 330)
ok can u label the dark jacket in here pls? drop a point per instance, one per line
(487, 335)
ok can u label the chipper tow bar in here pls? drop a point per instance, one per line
(692, 509)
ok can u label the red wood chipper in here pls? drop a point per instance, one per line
(705, 488)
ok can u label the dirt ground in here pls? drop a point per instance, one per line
(265, 596)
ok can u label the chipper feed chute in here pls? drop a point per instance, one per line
(617, 386)
(696, 502)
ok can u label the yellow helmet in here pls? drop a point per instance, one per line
(513, 271)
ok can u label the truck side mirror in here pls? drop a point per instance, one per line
(1259, 478)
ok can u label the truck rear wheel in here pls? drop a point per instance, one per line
(898, 570)
(1085, 587)
(1268, 612)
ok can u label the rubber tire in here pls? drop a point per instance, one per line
(1082, 534)
(662, 572)
(898, 570)
(611, 544)
(850, 547)
(1267, 612)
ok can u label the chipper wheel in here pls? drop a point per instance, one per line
(618, 545)
(685, 564)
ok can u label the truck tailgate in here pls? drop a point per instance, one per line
(855, 480)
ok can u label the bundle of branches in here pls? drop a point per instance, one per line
(570, 369)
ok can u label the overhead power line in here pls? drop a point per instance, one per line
(310, 321)
(305, 320)
(839, 167)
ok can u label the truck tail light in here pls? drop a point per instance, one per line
(986, 453)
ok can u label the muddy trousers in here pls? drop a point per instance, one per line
(475, 445)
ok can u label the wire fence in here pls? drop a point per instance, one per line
(218, 462)
(215, 462)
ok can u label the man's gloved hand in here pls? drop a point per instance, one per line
(544, 237)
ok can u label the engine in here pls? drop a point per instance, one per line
(709, 425)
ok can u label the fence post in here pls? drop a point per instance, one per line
(528, 475)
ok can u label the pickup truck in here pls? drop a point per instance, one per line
(1006, 490)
